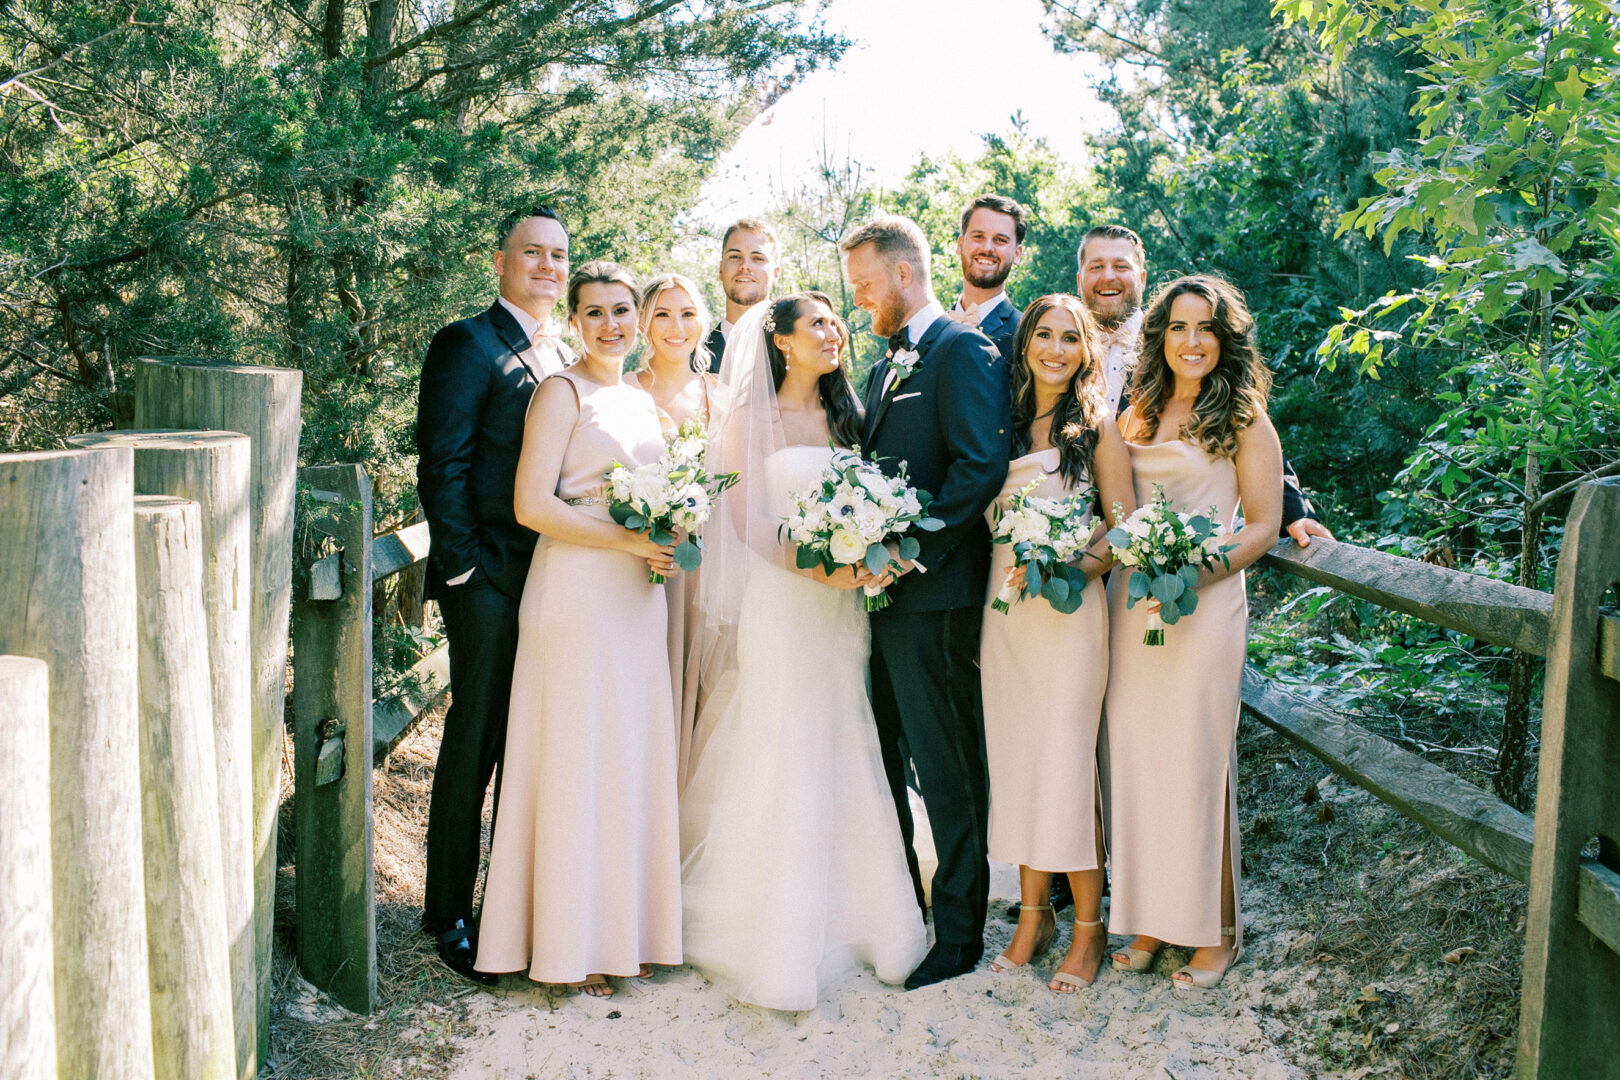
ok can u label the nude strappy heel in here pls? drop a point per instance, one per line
(1003, 966)
(1066, 983)
(1207, 978)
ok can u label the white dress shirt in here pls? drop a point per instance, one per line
(1121, 343)
(916, 327)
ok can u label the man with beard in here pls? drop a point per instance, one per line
(939, 403)
(989, 244)
(1110, 280)
(476, 384)
(750, 263)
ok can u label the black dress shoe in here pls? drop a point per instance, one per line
(1062, 897)
(455, 948)
(944, 962)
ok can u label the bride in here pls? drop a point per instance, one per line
(794, 874)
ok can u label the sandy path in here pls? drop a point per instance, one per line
(981, 1025)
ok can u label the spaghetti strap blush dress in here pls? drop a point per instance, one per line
(1170, 727)
(1043, 675)
(584, 874)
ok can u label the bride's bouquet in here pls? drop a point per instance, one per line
(669, 495)
(1165, 551)
(850, 514)
(1046, 535)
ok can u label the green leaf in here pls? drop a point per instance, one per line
(876, 558)
(910, 548)
(1167, 588)
(930, 524)
(688, 556)
(1189, 575)
(1571, 88)
(806, 558)
(1056, 589)
(1137, 587)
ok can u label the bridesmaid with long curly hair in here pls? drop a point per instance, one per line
(1196, 426)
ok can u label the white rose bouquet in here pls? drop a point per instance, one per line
(847, 518)
(670, 495)
(1164, 551)
(1047, 535)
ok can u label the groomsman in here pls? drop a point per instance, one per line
(476, 384)
(989, 243)
(939, 402)
(1111, 278)
(750, 263)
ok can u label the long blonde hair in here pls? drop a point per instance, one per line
(662, 283)
(1232, 396)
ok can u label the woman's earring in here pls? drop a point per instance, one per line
(787, 360)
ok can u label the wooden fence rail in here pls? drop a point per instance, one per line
(1571, 977)
(340, 732)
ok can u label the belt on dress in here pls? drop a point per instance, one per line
(590, 500)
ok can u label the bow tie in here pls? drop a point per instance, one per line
(899, 342)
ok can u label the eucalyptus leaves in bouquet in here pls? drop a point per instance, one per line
(849, 516)
(671, 495)
(1046, 535)
(1165, 550)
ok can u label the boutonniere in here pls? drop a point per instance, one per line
(901, 366)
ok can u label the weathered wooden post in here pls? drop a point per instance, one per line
(188, 951)
(213, 469)
(263, 404)
(27, 1011)
(67, 575)
(337, 915)
(1571, 974)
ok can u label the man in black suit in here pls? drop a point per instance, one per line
(939, 402)
(476, 384)
(750, 263)
(989, 243)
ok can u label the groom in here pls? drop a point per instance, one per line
(938, 402)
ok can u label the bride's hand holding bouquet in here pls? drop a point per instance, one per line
(669, 499)
(857, 518)
(1164, 551)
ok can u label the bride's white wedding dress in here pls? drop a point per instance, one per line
(793, 873)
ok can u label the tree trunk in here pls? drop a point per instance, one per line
(27, 1012)
(187, 946)
(67, 572)
(262, 403)
(214, 470)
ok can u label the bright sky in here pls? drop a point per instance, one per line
(923, 76)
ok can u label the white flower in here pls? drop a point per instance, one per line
(847, 546)
(880, 486)
(1212, 546)
(649, 488)
(694, 502)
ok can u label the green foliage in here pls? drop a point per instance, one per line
(317, 185)
(1239, 147)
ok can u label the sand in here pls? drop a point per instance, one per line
(980, 1025)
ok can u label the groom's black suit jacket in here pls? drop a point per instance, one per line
(949, 421)
(475, 393)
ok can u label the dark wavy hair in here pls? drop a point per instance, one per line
(1082, 410)
(834, 388)
(1232, 396)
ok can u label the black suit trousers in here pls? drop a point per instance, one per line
(481, 622)
(925, 697)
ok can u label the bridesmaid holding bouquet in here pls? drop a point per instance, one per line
(584, 874)
(1044, 671)
(1197, 426)
(675, 371)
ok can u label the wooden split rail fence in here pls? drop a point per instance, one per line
(339, 732)
(146, 581)
(1569, 1021)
